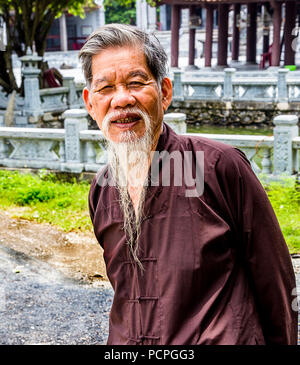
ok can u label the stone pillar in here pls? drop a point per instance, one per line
(63, 33)
(236, 33)
(69, 82)
(286, 128)
(228, 87)
(290, 22)
(177, 86)
(142, 14)
(138, 13)
(32, 100)
(185, 19)
(209, 26)
(75, 120)
(276, 33)
(144, 9)
(152, 18)
(282, 85)
(251, 33)
(222, 34)
(3, 149)
(176, 121)
(101, 13)
(175, 35)
(163, 16)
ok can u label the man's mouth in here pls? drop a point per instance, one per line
(126, 120)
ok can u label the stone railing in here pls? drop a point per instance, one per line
(36, 102)
(278, 87)
(76, 149)
(59, 99)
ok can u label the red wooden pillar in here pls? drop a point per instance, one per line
(192, 34)
(236, 33)
(266, 30)
(208, 35)
(290, 22)
(222, 34)
(251, 33)
(276, 33)
(175, 19)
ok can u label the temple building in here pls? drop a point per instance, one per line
(280, 20)
(69, 32)
(221, 32)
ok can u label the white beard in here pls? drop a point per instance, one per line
(128, 162)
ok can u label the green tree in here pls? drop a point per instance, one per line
(117, 11)
(122, 11)
(28, 22)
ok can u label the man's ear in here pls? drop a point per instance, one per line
(88, 104)
(166, 92)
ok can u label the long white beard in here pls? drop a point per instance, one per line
(128, 162)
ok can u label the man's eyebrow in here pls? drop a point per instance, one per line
(140, 73)
(134, 73)
(99, 81)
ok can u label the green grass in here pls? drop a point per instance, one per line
(44, 198)
(285, 200)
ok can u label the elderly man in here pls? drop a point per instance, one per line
(206, 268)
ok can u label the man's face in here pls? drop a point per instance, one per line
(122, 82)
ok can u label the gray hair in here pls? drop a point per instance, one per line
(120, 35)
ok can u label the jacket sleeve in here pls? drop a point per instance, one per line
(263, 248)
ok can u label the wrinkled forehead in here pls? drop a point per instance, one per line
(114, 62)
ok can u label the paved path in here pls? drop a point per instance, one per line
(38, 305)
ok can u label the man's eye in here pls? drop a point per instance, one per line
(104, 89)
(135, 84)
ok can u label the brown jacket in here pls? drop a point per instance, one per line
(217, 268)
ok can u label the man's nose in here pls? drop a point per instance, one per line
(122, 98)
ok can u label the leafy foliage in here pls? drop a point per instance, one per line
(120, 11)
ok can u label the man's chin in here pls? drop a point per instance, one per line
(124, 137)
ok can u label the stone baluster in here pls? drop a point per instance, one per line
(69, 82)
(90, 157)
(3, 148)
(177, 85)
(176, 121)
(286, 128)
(228, 87)
(282, 85)
(266, 162)
(75, 120)
(102, 156)
(32, 100)
(62, 155)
